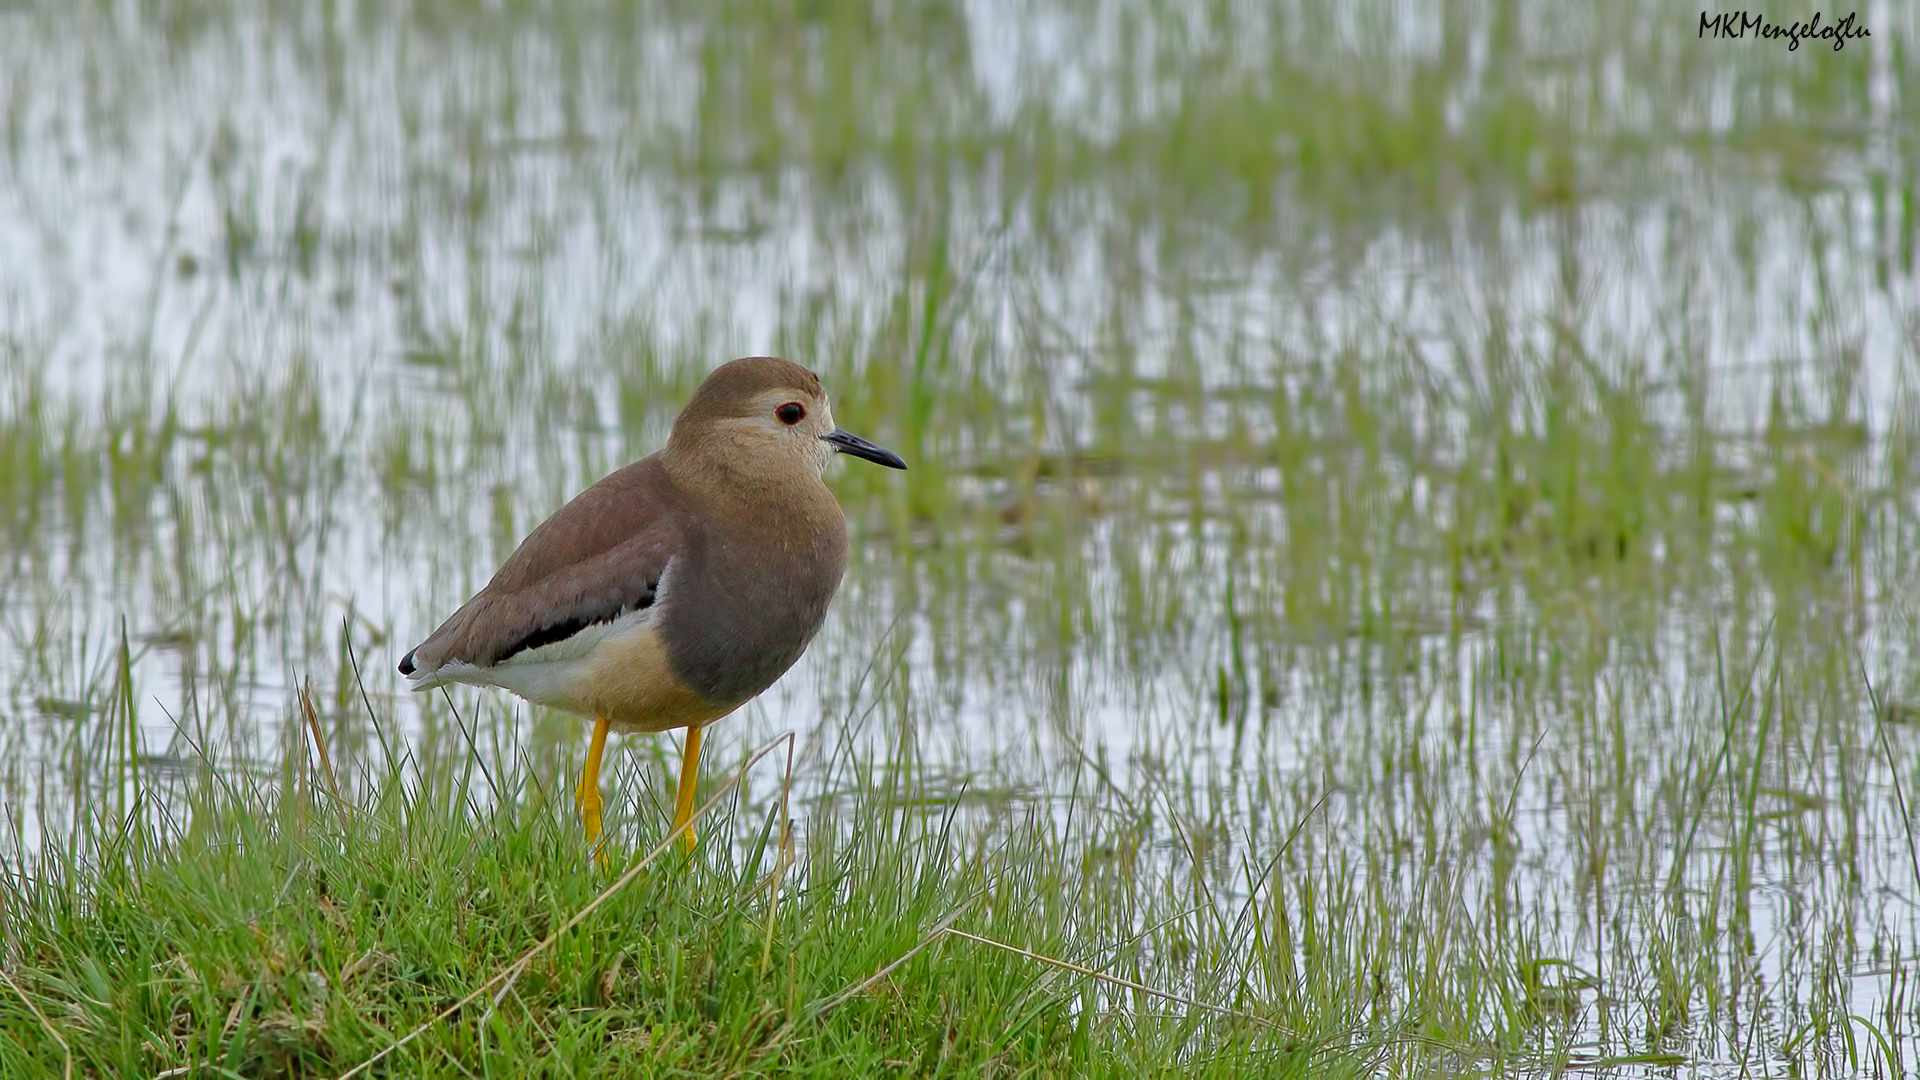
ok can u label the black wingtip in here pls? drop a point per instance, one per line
(406, 662)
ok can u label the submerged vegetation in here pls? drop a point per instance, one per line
(1406, 567)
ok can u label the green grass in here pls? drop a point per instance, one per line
(1407, 504)
(283, 929)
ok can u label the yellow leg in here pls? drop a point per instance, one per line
(689, 777)
(588, 795)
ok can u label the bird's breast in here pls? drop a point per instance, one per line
(738, 614)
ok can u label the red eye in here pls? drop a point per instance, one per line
(791, 413)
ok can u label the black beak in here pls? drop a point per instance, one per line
(848, 443)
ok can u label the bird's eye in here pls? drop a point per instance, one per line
(791, 413)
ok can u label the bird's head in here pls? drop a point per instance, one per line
(767, 416)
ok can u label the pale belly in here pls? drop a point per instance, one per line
(624, 678)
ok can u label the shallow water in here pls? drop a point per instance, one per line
(1449, 477)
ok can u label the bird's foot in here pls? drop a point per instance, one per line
(589, 801)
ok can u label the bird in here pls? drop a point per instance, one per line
(677, 588)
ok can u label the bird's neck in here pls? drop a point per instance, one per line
(745, 486)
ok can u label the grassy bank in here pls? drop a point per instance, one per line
(442, 918)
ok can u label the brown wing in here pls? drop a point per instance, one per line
(597, 558)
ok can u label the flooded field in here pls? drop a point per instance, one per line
(1418, 499)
